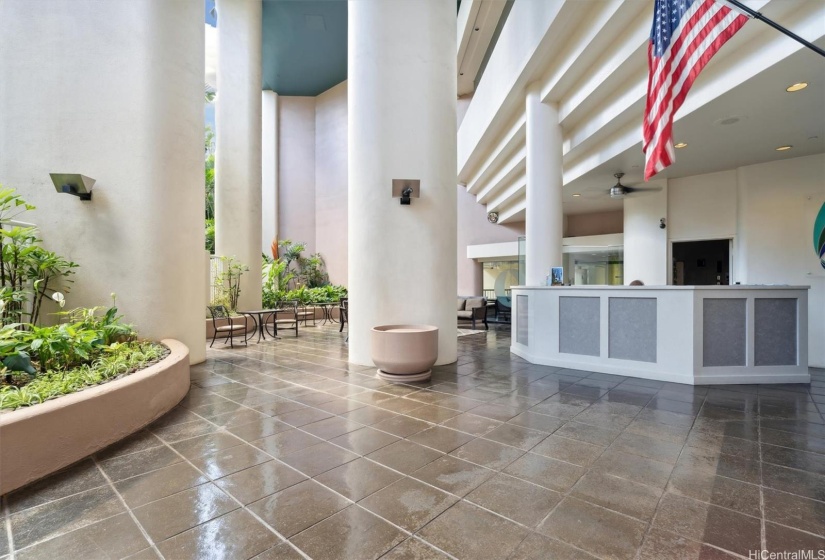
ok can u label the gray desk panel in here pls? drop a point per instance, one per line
(579, 325)
(775, 332)
(522, 317)
(724, 336)
(632, 329)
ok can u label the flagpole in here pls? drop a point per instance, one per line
(786, 31)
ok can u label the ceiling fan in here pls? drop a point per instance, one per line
(619, 191)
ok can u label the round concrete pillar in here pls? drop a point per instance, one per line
(238, 142)
(402, 125)
(544, 220)
(113, 90)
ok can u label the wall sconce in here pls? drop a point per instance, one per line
(73, 184)
(406, 189)
(662, 224)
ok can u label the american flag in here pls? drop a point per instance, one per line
(685, 36)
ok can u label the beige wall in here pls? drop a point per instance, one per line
(113, 90)
(331, 180)
(474, 229)
(296, 170)
(596, 223)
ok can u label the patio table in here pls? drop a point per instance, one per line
(259, 317)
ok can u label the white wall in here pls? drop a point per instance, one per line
(331, 180)
(645, 243)
(296, 170)
(113, 90)
(702, 207)
(779, 202)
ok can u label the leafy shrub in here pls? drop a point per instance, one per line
(63, 346)
(28, 272)
(228, 283)
(278, 275)
(112, 361)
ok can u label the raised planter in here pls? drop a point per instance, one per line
(41, 439)
(404, 353)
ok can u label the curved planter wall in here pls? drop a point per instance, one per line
(41, 439)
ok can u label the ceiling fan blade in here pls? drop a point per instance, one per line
(631, 190)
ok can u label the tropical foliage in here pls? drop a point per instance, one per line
(28, 272)
(209, 185)
(87, 346)
(111, 361)
(227, 286)
(288, 275)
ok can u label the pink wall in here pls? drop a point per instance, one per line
(597, 223)
(296, 170)
(331, 180)
(474, 229)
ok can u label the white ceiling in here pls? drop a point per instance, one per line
(769, 117)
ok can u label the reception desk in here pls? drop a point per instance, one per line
(699, 335)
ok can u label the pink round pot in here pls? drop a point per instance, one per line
(404, 353)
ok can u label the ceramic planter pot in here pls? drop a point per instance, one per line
(404, 353)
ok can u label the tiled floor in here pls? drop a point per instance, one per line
(283, 451)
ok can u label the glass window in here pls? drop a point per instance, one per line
(594, 266)
(498, 277)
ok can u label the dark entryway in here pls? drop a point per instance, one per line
(701, 263)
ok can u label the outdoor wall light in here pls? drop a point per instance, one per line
(406, 189)
(73, 183)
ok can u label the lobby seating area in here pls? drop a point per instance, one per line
(472, 309)
(284, 446)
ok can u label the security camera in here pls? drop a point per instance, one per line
(405, 195)
(662, 224)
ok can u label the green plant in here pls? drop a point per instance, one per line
(28, 272)
(312, 271)
(111, 361)
(210, 235)
(228, 283)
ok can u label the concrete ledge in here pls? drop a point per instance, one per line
(41, 439)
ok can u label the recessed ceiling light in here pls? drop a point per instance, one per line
(783, 148)
(681, 145)
(796, 87)
(576, 195)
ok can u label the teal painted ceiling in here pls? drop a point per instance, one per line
(304, 45)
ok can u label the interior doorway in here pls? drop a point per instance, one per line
(701, 263)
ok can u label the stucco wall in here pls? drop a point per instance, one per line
(331, 180)
(474, 229)
(595, 223)
(114, 91)
(296, 170)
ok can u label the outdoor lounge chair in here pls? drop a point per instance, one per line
(236, 326)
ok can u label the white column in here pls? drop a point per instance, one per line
(544, 220)
(133, 120)
(269, 170)
(238, 142)
(402, 115)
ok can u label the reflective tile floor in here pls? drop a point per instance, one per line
(283, 451)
